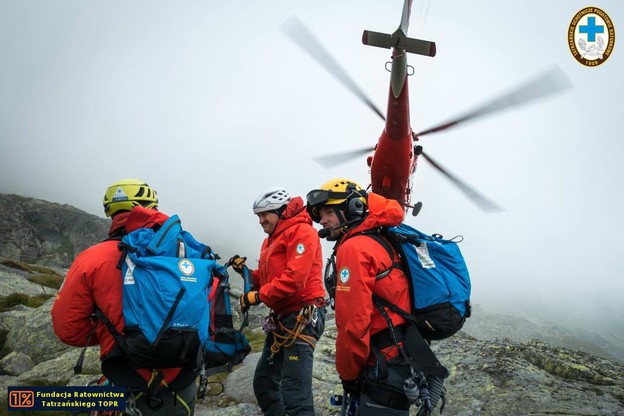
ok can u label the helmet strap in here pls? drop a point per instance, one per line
(341, 217)
(280, 211)
(344, 223)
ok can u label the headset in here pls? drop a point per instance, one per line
(354, 210)
(354, 207)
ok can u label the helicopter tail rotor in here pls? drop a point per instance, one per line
(400, 41)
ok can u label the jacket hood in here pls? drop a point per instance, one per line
(139, 217)
(382, 212)
(294, 213)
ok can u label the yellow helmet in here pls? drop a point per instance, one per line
(126, 194)
(338, 192)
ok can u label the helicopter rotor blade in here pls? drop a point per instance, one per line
(405, 16)
(299, 34)
(545, 84)
(336, 158)
(476, 197)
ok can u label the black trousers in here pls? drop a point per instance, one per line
(371, 403)
(283, 383)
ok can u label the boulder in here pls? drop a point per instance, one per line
(15, 363)
(33, 335)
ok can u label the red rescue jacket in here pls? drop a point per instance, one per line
(93, 279)
(289, 273)
(359, 258)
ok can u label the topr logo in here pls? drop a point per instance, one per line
(591, 36)
(344, 275)
(120, 195)
(300, 248)
(186, 267)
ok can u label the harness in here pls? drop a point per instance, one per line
(284, 337)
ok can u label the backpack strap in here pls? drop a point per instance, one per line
(391, 331)
(119, 339)
(414, 350)
(377, 235)
(78, 366)
(381, 302)
(168, 319)
(117, 235)
(154, 386)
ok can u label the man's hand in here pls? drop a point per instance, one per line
(351, 387)
(248, 299)
(237, 262)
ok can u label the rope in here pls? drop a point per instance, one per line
(306, 316)
(131, 409)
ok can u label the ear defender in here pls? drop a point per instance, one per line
(355, 208)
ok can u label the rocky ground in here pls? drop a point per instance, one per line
(487, 377)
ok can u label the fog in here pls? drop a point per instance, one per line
(211, 103)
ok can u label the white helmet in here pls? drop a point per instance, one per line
(271, 200)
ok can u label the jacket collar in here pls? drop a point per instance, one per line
(293, 214)
(139, 217)
(382, 212)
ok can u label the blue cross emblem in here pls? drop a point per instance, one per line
(344, 275)
(186, 267)
(591, 29)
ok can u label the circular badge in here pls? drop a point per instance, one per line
(591, 36)
(344, 275)
(186, 267)
(300, 248)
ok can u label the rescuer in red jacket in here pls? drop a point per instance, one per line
(94, 280)
(344, 210)
(289, 281)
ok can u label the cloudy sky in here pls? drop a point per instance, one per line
(211, 103)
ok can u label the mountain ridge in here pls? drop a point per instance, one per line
(47, 233)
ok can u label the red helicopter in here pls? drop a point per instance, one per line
(395, 156)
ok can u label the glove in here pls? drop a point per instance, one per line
(248, 299)
(351, 387)
(237, 262)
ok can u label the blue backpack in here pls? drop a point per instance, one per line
(167, 276)
(226, 345)
(438, 278)
(176, 308)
